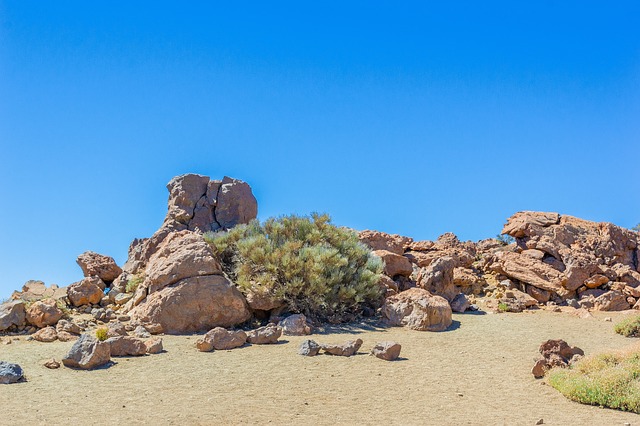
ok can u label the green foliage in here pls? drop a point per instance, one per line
(609, 380)
(312, 265)
(503, 307)
(133, 283)
(628, 327)
(505, 239)
(636, 228)
(102, 334)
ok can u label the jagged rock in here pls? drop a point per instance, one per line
(377, 240)
(12, 313)
(596, 281)
(262, 302)
(470, 281)
(65, 336)
(52, 364)
(43, 313)
(268, 334)
(611, 301)
(417, 309)
(102, 314)
(295, 325)
(309, 348)
(154, 345)
(141, 332)
(423, 253)
(116, 329)
(236, 203)
(88, 291)
(348, 348)
(531, 271)
(121, 298)
(388, 286)
(555, 353)
(87, 353)
(221, 339)
(539, 294)
(193, 304)
(68, 326)
(47, 334)
(10, 373)
(389, 351)
(94, 264)
(126, 346)
(394, 264)
(437, 278)
(36, 290)
(460, 303)
(519, 224)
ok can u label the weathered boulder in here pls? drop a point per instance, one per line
(141, 332)
(268, 334)
(154, 345)
(309, 348)
(613, 300)
(51, 364)
(539, 294)
(12, 313)
(65, 336)
(261, 301)
(94, 264)
(68, 326)
(47, 334)
(348, 348)
(116, 329)
(389, 351)
(417, 309)
(437, 278)
(520, 223)
(295, 325)
(460, 303)
(126, 346)
(34, 290)
(10, 373)
(221, 339)
(468, 280)
(377, 240)
(423, 253)
(531, 271)
(235, 203)
(87, 353)
(555, 353)
(394, 264)
(194, 304)
(43, 313)
(87, 291)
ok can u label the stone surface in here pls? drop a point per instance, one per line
(46, 335)
(221, 339)
(295, 325)
(262, 302)
(389, 351)
(154, 345)
(460, 303)
(268, 334)
(531, 271)
(126, 346)
(87, 353)
(65, 336)
(555, 353)
(613, 300)
(417, 309)
(51, 364)
(94, 264)
(394, 264)
(141, 332)
(43, 313)
(12, 313)
(437, 278)
(348, 348)
(68, 326)
(116, 329)
(88, 291)
(377, 240)
(309, 348)
(192, 305)
(10, 373)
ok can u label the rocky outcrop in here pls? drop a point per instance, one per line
(94, 264)
(555, 353)
(377, 240)
(388, 351)
(43, 313)
(88, 291)
(437, 278)
(87, 353)
(12, 314)
(37, 290)
(220, 339)
(394, 264)
(417, 309)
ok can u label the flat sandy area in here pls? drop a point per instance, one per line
(476, 373)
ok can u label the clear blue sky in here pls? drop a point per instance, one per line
(413, 119)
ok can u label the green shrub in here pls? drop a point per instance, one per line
(315, 267)
(102, 334)
(609, 380)
(503, 307)
(628, 327)
(133, 283)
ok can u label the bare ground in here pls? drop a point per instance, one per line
(476, 373)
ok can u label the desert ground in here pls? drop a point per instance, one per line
(478, 372)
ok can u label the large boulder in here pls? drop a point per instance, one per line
(43, 313)
(389, 351)
(268, 334)
(417, 309)
(531, 271)
(12, 313)
(295, 325)
(46, 335)
(126, 346)
(88, 291)
(193, 304)
(437, 278)
(10, 373)
(394, 264)
(94, 264)
(555, 353)
(377, 240)
(87, 353)
(221, 339)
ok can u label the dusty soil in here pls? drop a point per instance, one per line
(476, 373)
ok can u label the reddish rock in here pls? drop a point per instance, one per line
(388, 351)
(377, 240)
(12, 313)
(348, 348)
(65, 336)
(47, 334)
(612, 301)
(43, 313)
(154, 345)
(417, 309)
(86, 292)
(52, 364)
(268, 334)
(94, 264)
(437, 278)
(221, 339)
(394, 264)
(126, 346)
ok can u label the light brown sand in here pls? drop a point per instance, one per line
(478, 373)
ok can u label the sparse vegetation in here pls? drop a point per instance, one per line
(315, 267)
(133, 283)
(609, 380)
(636, 228)
(628, 327)
(505, 239)
(503, 307)
(102, 334)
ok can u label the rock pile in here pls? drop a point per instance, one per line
(555, 353)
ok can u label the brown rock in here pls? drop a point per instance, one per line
(116, 329)
(540, 368)
(295, 325)
(221, 339)
(538, 294)
(394, 264)
(469, 280)
(12, 313)
(523, 298)
(348, 348)
(193, 304)
(65, 336)
(377, 240)
(437, 278)
(68, 326)
(596, 281)
(235, 203)
(531, 271)
(52, 364)
(518, 224)
(559, 348)
(417, 309)
(460, 303)
(86, 292)
(389, 351)
(126, 346)
(262, 302)
(87, 353)
(611, 301)
(94, 264)
(154, 345)
(47, 334)
(43, 313)
(264, 335)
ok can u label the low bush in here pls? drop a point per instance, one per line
(315, 267)
(628, 327)
(608, 380)
(133, 283)
(102, 334)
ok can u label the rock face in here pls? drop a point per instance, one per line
(377, 240)
(42, 314)
(389, 351)
(221, 339)
(88, 291)
(47, 334)
(126, 346)
(94, 264)
(194, 304)
(417, 309)
(295, 325)
(10, 373)
(437, 278)
(154, 345)
(348, 348)
(36, 290)
(87, 353)
(555, 353)
(268, 334)
(12, 313)
(394, 264)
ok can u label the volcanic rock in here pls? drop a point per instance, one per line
(417, 309)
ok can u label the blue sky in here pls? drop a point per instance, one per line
(415, 119)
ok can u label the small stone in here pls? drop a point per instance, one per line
(459, 394)
(10, 373)
(52, 364)
(540, 421)
(608, 319)
(309, 348)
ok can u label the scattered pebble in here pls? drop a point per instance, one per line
(52, 364)
(459, 394)
(608, 319)
(540, 421)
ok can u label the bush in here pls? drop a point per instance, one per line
(608, 380)
(316, 268)
(102, 334)
(628, 327)
(133, 283)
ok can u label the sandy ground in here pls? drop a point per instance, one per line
(476, 373)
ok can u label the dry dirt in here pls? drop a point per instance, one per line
(476, 373)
